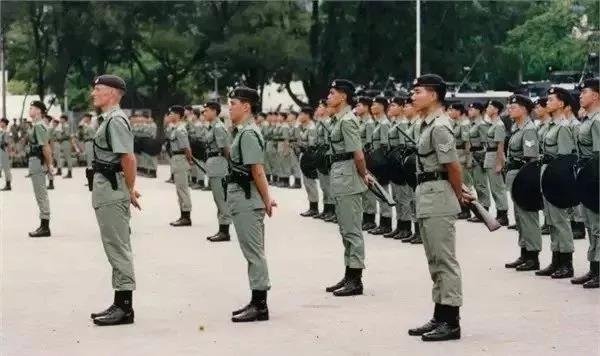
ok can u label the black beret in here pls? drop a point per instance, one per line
(177, 109)
(40, 105)
(476, 105)
(592, 83)
(381, 100)
(63, 116)
(343, 85)
(457, 106)
(188, 107)
(5, 120)
(409, 101)
(307, 110)
(109, 80)
(433, 81)
(561, 93)
(542, 101)
(244, 93)
(521, 100)
(213, 105)
(365, 100)
(284, 114)
(197, 112)
(323, 102)
(398, 100)
(496, 104)
(261, 114)
(293, 112)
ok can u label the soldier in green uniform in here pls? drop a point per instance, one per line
(66, 139)
(265, 129)
(558, 140)
(168, 127)
(284, 150)
(495, 160)
(348, 178)
(367, 125)
(197, 133)
(152, 130)
(295, 170)
(380, 139)
(39, 156)
(523, 148)
(460, 128)
(114, 190)
(543, 122)
(249, 199)
(180, 159)
(576, 212)
(307, 140)
(588, 144)
(403, 193)
(271, 149)
(217, 152)
(439, 194)
(4, 158)
(477, 139)
(53, 132)
(88, 132)
(323, 130)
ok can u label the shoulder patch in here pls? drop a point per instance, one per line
(445, 147)
(529, 143)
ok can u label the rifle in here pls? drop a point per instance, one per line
(479, 211)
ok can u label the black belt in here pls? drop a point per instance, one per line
(491, 149)
(461, 146)
(342, 157)
(213, 154)
(430, 176)
(476, 149)
(182, 152)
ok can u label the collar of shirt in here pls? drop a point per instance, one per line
(556, 119)
(525, 122)
(342, 112)
(593, 111)
(432, 116)
(110, 110)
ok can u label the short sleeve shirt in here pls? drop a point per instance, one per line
(558, 140)
(217, 139)
(588, 135)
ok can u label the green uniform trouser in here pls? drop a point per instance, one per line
(139, 160)
(150, 162)
(497, 188)
(113, 221)
(439, 239)
(326, 188)
(89, 153)
(198, 173)
(312, 191)
(250, 229)
(38, 180)
(576, 213)
(56, 154)
(369, 202)
(384, 209)
(348, 209)
(267, 165)
(592, 222)
(480, 181)
(67, 152)
(468, 176)
(218, 193)
(404, 197)
(285, 168)
(561, 235)
(528, 222)
(180, 168)
(5, 165)
(271, 153)
(295, 166)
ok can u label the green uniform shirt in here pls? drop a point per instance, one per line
(308, 135)
(113, 139)
(495, 135)
(476, 132)
(323, 130)
(179, 138)
(558, 140)
(435, 148)
(523, 142)
(247, 149)
(217, 138)
(367, 125)
(345, 137)
(380, 134)
(588, 135)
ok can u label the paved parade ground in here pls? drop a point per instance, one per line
(187, 287)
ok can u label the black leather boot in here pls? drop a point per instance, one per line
(274, 180)
(404, 232)
(586, 277)
(69, 174)
(415, 235)
(43, 230)
(59, 172)
(464, 214)
(393, 233)
(313, 209)
(369, 222)
(532, 262)
(184, 220)
(120, 313)
(257, 310)
(328, 211)
(297, 184)
(339, 284)
(353, 285)
(7, 187)
(428, 326)
(594, 282)
(578, 229)
(448, 328)
(152, 173)
(518, 261)
(50, 184)
(385, 226)
(331, 217)
(552, 267)
(566, 267)
(222, 235)
(502, 217)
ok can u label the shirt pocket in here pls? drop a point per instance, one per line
(436, 198)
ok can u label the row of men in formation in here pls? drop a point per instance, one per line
(453, 145)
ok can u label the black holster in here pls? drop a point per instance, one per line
(37, 151)
(89, 174)
(241, 179)
(109, 171)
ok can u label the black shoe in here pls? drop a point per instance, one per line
(117, 316)
(7, 187)
(566, 267)
(103, 313)
(240, 311)
(339, 284)
(531, 264)
(552, 267)
(219, 237)
(520, 260)
(184, 220)
(385, 226)
(69, 175)
(428, 327)
(395, 232)
(513, 227)
(474, 219)
(403, 234)
(313, 209)
(353, 286)
(415, 236)
(502, 217)
(252, 313)
(331, 218)
(50, 185)
(59, 172)
(417, 241)
(170, 180)
(369, 222)
(297, 184)
(444, 331)
(583, 279)
(464, 214)
(592, 284)
(152, 173)
(43, 230)
(545, 229)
